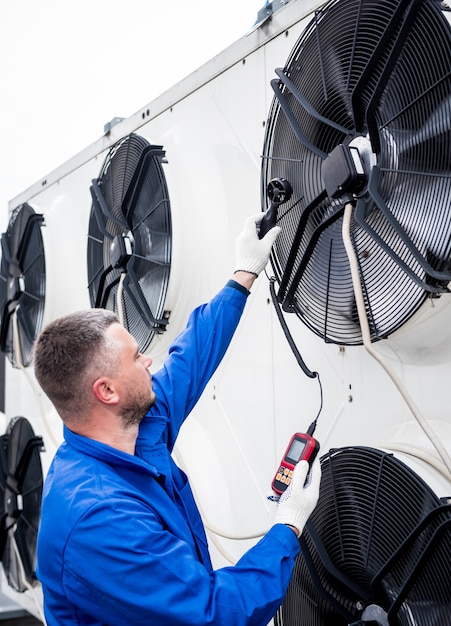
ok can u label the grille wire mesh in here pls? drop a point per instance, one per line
(377, 72)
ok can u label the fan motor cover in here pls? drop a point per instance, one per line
(362, 115)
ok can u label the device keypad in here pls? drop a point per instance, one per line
(283, 478)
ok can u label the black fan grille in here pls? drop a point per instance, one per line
(370, 504)
(22, 284)
(131, 207)
(364, 545)
(20, 457)
(381, 72)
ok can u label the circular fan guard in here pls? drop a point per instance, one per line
(362, 114)
(129, 239)
(22, 284)
(22, 482)
(377, 544)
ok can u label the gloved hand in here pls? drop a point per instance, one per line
(298, 500)
(252, 253)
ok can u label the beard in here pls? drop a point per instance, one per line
(136, 407)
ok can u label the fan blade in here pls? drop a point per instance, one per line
(102, 212)
(27, 328)
(9, 256)
(284, 105)
(153, 251)
(403, 14)
(348, 587)
(5, 330)
(287, 83)
(34, 221)
(300, 230)
(140, 303)
(134, 193)
(436, 129)
(404, 237)
(333, 213)
(373, 105)
(103, 290)
(6, 250)
(417, 574)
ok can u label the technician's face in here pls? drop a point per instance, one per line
(134, 378)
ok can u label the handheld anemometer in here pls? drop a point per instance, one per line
(279, 191)
(302, 447)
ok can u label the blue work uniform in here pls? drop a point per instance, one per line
(121, 542)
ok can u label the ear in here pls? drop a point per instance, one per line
(104, 390)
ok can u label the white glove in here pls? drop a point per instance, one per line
(298, 500)
(252, 253)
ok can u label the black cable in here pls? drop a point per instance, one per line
(297, 354)
(287, 333)
(311, 429)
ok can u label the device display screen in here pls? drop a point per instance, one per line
(296, 449)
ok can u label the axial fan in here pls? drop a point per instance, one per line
(22, 490)
(375, 550)
(3, 474)
(22, 284)
(362, 115)
(130, 238)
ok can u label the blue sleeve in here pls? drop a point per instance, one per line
(195, 355)
(149, 576)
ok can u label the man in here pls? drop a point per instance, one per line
(121, 540)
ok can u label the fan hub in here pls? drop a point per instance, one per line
(16, 287)
(121, 250)
(13, 507)
(346, 168)
(375, 614)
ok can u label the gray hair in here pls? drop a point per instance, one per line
(69, 355)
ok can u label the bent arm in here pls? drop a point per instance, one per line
(150, 576)
(195, 355)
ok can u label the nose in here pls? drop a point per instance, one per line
(145, 360)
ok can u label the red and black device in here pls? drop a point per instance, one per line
(302, 447)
